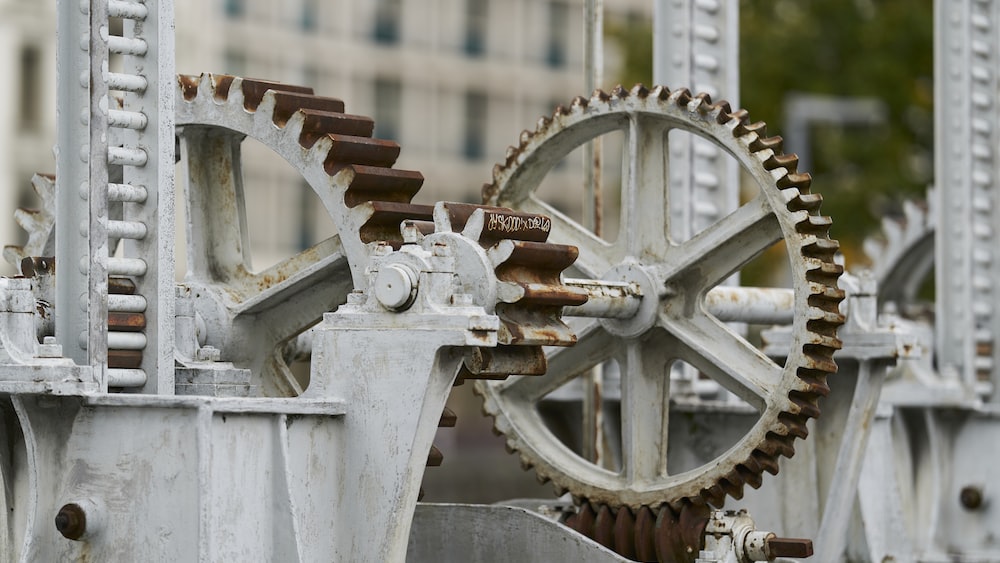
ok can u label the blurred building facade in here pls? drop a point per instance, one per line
(453, 81)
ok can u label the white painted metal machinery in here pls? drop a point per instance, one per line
(149, 420)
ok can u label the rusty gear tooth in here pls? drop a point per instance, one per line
(765, 460)
(780, 445)
(750, 476)
(815, 225)
(822, 248)
(645, 534)
(806, 202)
(659, 92)
(448, 418)
(774, 144)
(585, 520)
(624, 533)
(524, 138)
(789, 162)
(680, 97)
(714, 495)
(579, 103)
(700, 103)
(808, 402)
(543, 122)
(600, 96)
(434, 457)
(732, 484)
(801, 181)
(188, 84)
(795, 425)
(639, 91)
(619, 92)
(604, 527)
(758, 127)
(720, 112)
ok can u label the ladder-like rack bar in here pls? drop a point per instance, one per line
(967, 117)
(154, 30)
(116, 111)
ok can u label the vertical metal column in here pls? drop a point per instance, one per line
(966, 121)
(72, 172)
(696, 45)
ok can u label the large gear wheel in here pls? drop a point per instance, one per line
(903, 256)
(672, 323)
(252, 315)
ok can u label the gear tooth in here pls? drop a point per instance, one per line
(808, 403)
(188, 84)
(720, 111)
(542, 479)
(600, 96)
(802, 182)
(805, 202)
(767, 461)
(13, 255)
(526, 464)
(525, 137)
(619, 92)
(713, 495)
(732, 484)
(660, 92)
(787, 161)
(579, 103)
(640, 91)
(775, 143)
(700, 103)
(795, 425)
(680, 97)
(543, 123)
(818, 225)
(749, 476)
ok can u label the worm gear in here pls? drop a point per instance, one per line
(672, 323)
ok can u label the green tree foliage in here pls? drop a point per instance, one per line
(881, 49)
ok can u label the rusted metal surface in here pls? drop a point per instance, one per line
(71, 521)
(503, 361)
(789, 547)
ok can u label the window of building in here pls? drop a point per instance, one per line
(30, 86)
(387, 21)
(476, 108)
(387, 108)
(558, 34)
(234, 8)
(476, 20)
(310, 14)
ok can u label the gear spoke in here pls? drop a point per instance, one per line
(596, 256)
(645, 224)
(645, 392)
(218, 239)
(722, 249)
(291, 302)
(593, 346)
(723, 355)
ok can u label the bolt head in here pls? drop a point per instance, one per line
(71, 521)
(971, 497)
